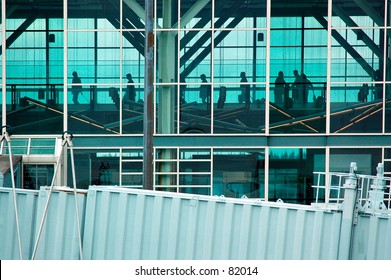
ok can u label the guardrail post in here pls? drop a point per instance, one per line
(375, 201)
(348, 207)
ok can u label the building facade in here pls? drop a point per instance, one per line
(250, 97)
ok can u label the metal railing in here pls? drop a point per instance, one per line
(330, 189)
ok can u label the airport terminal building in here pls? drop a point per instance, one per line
(248, 97)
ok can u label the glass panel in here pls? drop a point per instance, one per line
(98, 111)
(132, 180)
(238, 172)
(167, 14)
(194, 179)
(190, 154)
(298, 72)
(18, 146)
(133, 14)
(291, 173)
(194, 166)
(356, 54)
(388, 108)
(358, 13)
(90, 15)
(201, 15)
(35, 109)
(132, 166)
(34, 64)
(239, 108)
(197, 190)
(37, 175)
(195, 53)
(195, 116)
(95, 167)
(355, 108)
(366, 159)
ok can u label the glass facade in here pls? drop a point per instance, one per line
(250, 97)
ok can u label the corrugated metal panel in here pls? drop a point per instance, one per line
(372, 238)
(27, 205)
(137, 224)
(59, 238)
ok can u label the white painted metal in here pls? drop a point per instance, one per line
(27, 205)
(138, 224)
(372, 238)
(59, 238)
(119, 223)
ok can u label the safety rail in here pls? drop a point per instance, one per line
(330, 189)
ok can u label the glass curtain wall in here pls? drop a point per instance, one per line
(211, 65)
(291, 173)
(34, 66)
(298, 63)
(358, 67)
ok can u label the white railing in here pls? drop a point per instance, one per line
(330, 187)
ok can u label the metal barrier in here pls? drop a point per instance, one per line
(374, 192)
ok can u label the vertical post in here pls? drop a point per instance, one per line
(375, 201)
(148, 96)
(348, 207)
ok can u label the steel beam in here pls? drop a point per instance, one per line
(148, 123)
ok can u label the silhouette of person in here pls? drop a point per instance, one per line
(76, 89)
(245, 89)
(205, 91)
(306, 86)
(113, 93)
(363, 93)
(279, 88)
(378, 87)
(297, 87)
(130, 95)
(104, 173)
(222, 97)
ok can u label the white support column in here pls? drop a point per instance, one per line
(348, 207)
(166, 73)
(3, 64)
(268, 42)
(328, 86)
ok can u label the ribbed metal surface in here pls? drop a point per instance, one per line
(59, 238)
(119, 223)
(136, 224)
(27, 205)
(372, 238)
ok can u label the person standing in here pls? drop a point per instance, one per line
(279, 88)
(306, 87)
(245, 89)
(130, 95)
(76, 89)
(205, 91)
(297, 87)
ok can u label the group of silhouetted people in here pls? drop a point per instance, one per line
(129, 97)
(300, 89)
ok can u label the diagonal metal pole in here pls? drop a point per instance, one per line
(148, 96)
(5, 136)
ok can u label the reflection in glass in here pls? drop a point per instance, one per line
(356, 108)
(95, 167)
(35, 109)
(238, 172)
(291, 173)
(356, 54)
(98, 111)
